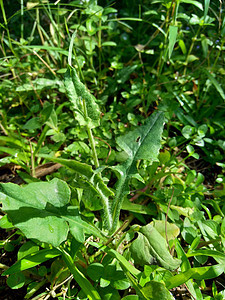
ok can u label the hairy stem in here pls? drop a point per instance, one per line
(91, 138)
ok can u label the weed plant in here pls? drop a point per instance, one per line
(112, 121)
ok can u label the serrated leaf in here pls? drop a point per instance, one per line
(80, 96)
(142, 143)
(40, 210)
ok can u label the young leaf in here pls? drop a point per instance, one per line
(82, 100)
(40, 210)
(142, 143)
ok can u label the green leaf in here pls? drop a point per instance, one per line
(95, 271)
(32, 124)
(40, 210)
(130, 297)
(26, 249)
(150, 247)
(79, 277)
(217, 255)
(142, 143)
(156, 290)
(193, 2)
(93, 178)
(201, 273)
(138, 208)
(16, 281)
(171, 230)
(173, 30)
(39, 84)
(207, 2)
(109, 293)
(32, 260)
(122, 260)
(78, 95)
(185, 265)
(216, 84)
(109, 43)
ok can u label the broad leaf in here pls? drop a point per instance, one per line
(40, 210)
(84, 103)
(93, 178)
(171, 230)
(151, 248)
(142, 143)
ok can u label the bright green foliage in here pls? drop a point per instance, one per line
(153, 290)
(94, 180)
(40, 210)
(112, 122)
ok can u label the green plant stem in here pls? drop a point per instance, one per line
(8, 34)
(163, 52)
(190, 49)
(4, 267)
(90, 135)
(100, 46)
(41, 140)
(32, 161)
(38, 26)
(6, 26)
(206, 243)
(22, 13)
(218, 54)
